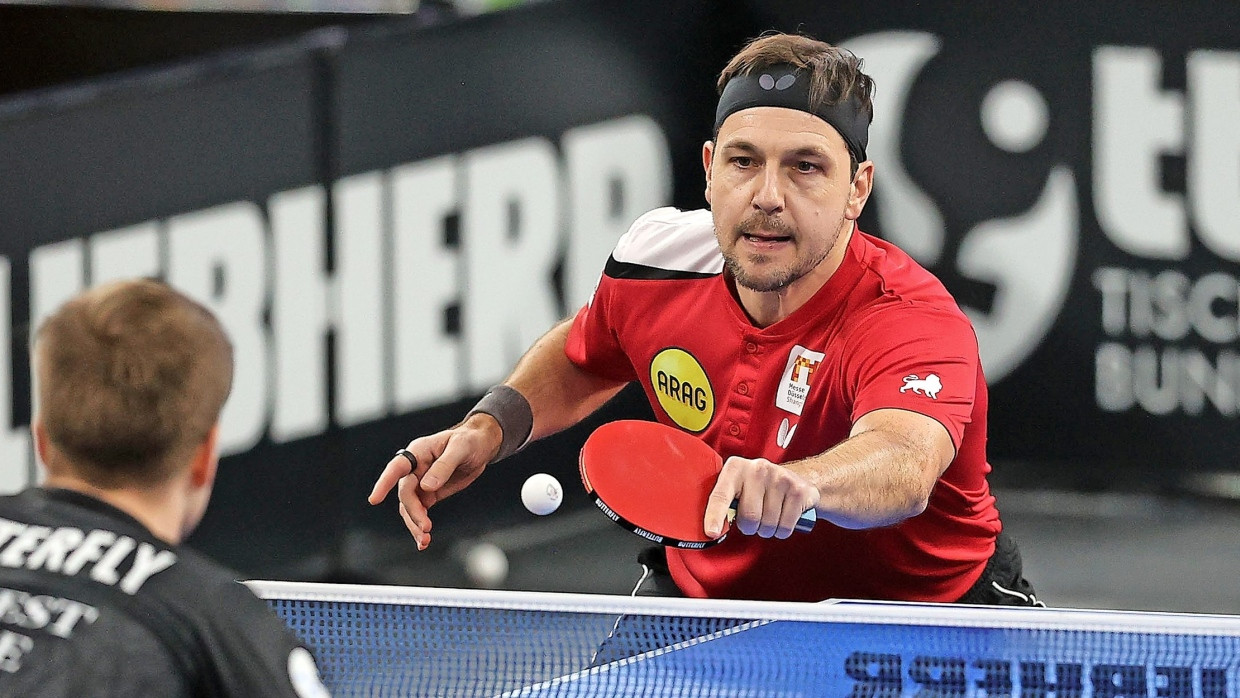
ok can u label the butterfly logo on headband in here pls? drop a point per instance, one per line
(767, 82)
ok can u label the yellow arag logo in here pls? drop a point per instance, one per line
(683, 389)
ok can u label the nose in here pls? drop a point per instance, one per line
(770, 195)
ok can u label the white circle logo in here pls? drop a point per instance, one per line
(304, 675)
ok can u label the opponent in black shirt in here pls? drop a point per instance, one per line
(92, 604)
(97, 597)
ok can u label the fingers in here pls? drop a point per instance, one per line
(750, 507)
(785, 521)
(403, 473)
(429, 469)
(411, 460)
(718, 509)
(395, 469)
(414, 511)
(455, 453)
(769, 498)
(421, 452)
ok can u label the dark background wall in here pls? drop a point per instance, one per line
(44, 46)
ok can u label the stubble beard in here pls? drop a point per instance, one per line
(779, 278)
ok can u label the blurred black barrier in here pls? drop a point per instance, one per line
(46, 45)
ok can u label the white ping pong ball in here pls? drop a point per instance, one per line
(486, 565)
(541, 494)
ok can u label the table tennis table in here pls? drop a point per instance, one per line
(402, 641)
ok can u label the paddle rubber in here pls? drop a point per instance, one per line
(655, 480)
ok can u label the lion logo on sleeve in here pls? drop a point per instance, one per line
(928, 386)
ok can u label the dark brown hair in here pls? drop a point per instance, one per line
(835, 73)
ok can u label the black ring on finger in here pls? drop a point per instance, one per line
(413, 462)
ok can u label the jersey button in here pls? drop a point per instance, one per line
(734, 429)
(743, 388)
(751, 347)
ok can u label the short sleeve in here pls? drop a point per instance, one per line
(662, 243)
(593, 344)
(914, 357)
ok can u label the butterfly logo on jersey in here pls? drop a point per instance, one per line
(786, 430)
(795, 384)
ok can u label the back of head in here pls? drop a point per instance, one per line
(131, 376)
(835, 73)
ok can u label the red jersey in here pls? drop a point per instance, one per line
(881, 333)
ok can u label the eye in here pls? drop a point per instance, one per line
(806, 167)
(742, 161)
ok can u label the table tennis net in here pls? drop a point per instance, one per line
(411, 641)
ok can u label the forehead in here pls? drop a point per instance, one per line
(781, 128)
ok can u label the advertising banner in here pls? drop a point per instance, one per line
(173, 175)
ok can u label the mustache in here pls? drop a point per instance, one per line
(760, 220)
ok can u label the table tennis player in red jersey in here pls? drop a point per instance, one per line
(825, 366)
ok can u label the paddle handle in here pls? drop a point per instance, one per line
(809, 517)
(805, 524)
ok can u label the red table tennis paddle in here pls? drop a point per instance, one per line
(654, 480)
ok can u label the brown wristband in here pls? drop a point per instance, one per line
(516, 419)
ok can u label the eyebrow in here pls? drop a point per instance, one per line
(742, 145)
(804, 151)
(812, 151)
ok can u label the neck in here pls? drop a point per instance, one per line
(157, 508)
(765, 308)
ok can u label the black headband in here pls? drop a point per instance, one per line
(784, 86)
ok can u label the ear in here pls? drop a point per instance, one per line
(859, 192)
(206, 460)
(708, 151)
(41, 443)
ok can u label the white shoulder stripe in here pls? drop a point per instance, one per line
(668, 238)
